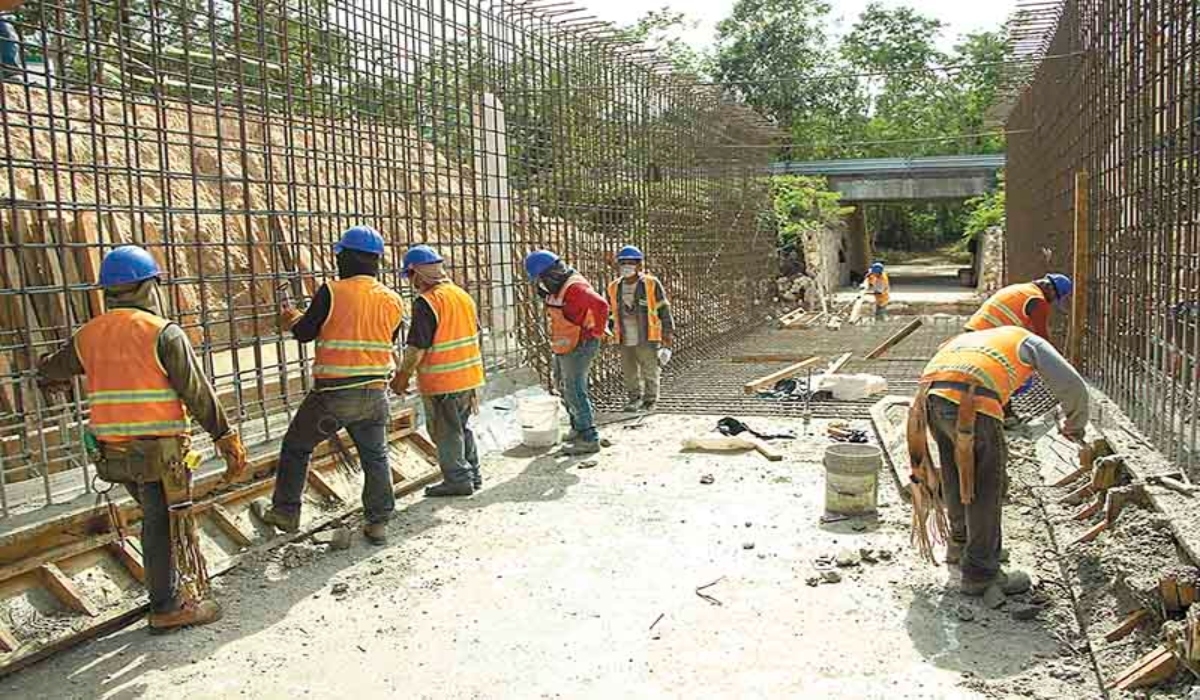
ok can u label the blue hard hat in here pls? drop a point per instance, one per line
(127, 264)
(630, 252)
(538, 262)
(876, 268)
(361, 238)
(420, 255)
(1062, 284)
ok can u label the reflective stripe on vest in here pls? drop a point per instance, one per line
(564, 335)
(989, 358)
(884, 296)
(453, 363)
(356, 338)
(1007, 307)
(653, 307)
(128, 389)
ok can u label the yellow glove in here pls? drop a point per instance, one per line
(234, 452)
(399, 384)
(288, 316)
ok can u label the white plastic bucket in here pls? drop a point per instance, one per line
(539, 420)
(851, 478)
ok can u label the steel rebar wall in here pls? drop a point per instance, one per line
(1127, 113)
(236, 139)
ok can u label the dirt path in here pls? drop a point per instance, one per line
(551, 581)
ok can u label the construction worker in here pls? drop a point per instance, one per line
(641, 324)
(877, 285)
(577, 322)
(143, 383)
(1026, 305)
(963, 389)
(443, 349)
(356, 324)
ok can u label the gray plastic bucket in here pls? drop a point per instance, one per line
(852, 479)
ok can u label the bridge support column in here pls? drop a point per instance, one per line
(858, 253)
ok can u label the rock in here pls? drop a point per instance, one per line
(831, 577)
(868, 555)
(747, 545)
(993, 597)
(337, 538)
(847, 558)
(965, 612)
(1023, 611)
(707, 479)
(747, 523)
(884, 555)
(340, 588)
(813, 581)
(587, 464)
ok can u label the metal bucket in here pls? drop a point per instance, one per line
(852, 479)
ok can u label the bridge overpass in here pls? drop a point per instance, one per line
(927, 178)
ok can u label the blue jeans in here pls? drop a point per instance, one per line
(364, 414)
(574, 369)
(446, 416)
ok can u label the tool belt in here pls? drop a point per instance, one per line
(139, 461)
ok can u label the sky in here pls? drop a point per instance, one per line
(961, 16)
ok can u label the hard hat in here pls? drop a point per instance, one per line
(127, 264)
(420, 255)
(1061, 283)
(361, 238)
(876, 268)
(538, 262)
(630, 252)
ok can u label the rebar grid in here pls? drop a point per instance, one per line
(236, 139)
(1126, 114)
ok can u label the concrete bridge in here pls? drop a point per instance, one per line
(927, 178)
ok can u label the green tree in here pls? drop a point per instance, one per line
(663, 30)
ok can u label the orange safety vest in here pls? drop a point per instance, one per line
(989, 359)
(1006, 308)
(882, 298)
(453, 363)
(653, 307)
(128, 388)
(356, 338)
(564, 335)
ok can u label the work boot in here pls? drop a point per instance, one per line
(186, 615)
(376, 533)
(447, 488)
(581, 447)
(269, 515)
(1011, 582)
(633, 404)
(649, 405)
(954, 552)
(476, 479)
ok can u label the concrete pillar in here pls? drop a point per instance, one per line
(495, 217)
(858, 239)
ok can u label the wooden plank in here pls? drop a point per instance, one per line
(8, 643)
(1073, 476)
(893, 440)
(839, 363)
(1080, 270)
(1127, 626)
(229, 525)
(424, 446)
(56, 554)
(1087, 511)
(1091, 534)
(61, 586)
(765, 449)
(1154, 667)
(318, 481)
(895, 339)
(776, 357)
(752, 387)
(130, 558)
(86, 235)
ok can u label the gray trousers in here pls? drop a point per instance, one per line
(446, 416)
(639, 365)
(161, 579)
(975, 526)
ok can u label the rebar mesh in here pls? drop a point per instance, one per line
(1126, 113)
(237, 138)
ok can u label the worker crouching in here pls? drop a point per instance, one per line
(355, 322)
(963, 389)
(641, 325)
(443, 349)
(143, 385)
(577, 322)
(879, 288)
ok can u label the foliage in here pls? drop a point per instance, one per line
(663, 30)
(803, 204)
(984, 212)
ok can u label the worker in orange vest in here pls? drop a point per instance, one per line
(1027, 305)
(443, 349)
(143, 386)
(578, 320)
(641, 325)
(879, 288)
(355, 322)
(963, 390)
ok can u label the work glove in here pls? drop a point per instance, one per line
(233, 452)
(288, 316)
(664, 356)
(51, 387)
(399, 384)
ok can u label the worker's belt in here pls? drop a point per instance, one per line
(963, 386)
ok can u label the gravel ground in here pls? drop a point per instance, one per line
(564, 579)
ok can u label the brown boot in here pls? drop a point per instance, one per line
(186, 615)
(267, 513)
(376, 533)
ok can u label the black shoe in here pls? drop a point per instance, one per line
(649, 405)
(476, 482)
(581, 447)
(445, 489)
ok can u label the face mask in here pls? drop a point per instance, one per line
(628, 270)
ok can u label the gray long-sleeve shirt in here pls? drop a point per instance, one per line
(1064, 382)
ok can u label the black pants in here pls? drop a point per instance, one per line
(975, 526)
(161, 578)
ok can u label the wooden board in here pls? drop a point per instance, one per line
(1127, 626)
(765, 449)
(893, 439)
(754, 386)
(1155, 667)
(1079, 270)
(895, 339)
(839, 363)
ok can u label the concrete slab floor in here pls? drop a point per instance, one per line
(549, 583)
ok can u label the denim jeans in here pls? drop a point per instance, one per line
(364, 414)
(574, 369)
(974, 526)
(161, 580)
(446, 416)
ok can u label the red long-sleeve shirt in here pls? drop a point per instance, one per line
(578, 300)
(1039, 317)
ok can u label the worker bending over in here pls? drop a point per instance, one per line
(577, 322)
(1027, 305)
(962, 391)
(641, 324)
(143, 383)
(443, 350)
(355, 321)
(879, 287)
